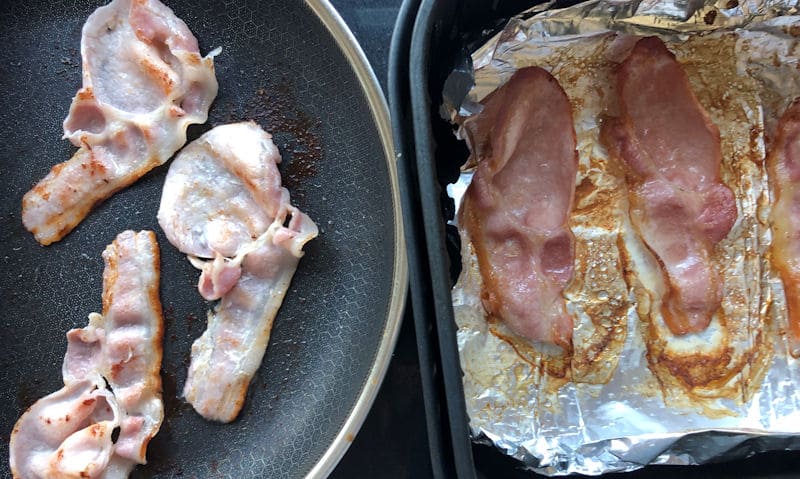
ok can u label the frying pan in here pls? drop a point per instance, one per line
(294, 68)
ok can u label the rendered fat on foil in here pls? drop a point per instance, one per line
(631, 393)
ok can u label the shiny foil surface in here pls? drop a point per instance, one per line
(633, 394)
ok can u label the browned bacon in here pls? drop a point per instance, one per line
(517, 207)
(678, 202)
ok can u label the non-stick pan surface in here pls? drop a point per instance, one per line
(288, 66)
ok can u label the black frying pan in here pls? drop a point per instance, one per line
(281, 65)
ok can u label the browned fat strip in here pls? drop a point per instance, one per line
(70, 191)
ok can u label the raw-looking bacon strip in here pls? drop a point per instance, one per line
(133, 337)
(69, 432)
(783, 163)
(516, 210)
(223, 201)
(228, 354)
(678, 202)
(144, 83)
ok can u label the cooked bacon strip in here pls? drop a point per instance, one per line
(133, 337)
(68, 433)
(223, 200)
(783, 163)
(144, 83)
(678, 201)
(517, 207)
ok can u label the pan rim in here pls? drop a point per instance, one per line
(348, 45)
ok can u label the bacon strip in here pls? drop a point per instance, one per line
(144, 83)
(69, 432)
(783, 164)
(678, 202)
(516, 210)
(223, 200)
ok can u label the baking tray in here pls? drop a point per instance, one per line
(421, 303)
(294, 68)
(442, 32)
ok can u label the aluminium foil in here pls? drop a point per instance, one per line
(632, 394)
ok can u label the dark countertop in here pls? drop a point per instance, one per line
(392, 443)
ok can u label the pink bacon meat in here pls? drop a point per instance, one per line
(223, 201)
(69, 432)
(516, 210)
(783, 163)
(144, 83)
(678, 202)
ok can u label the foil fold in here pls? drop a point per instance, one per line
(616, 405)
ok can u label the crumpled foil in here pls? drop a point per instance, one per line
(632, 394)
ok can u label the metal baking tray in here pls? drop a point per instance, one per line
(428, 42)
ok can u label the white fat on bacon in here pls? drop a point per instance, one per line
(68, 434)
(223, 202)
(144, 83)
